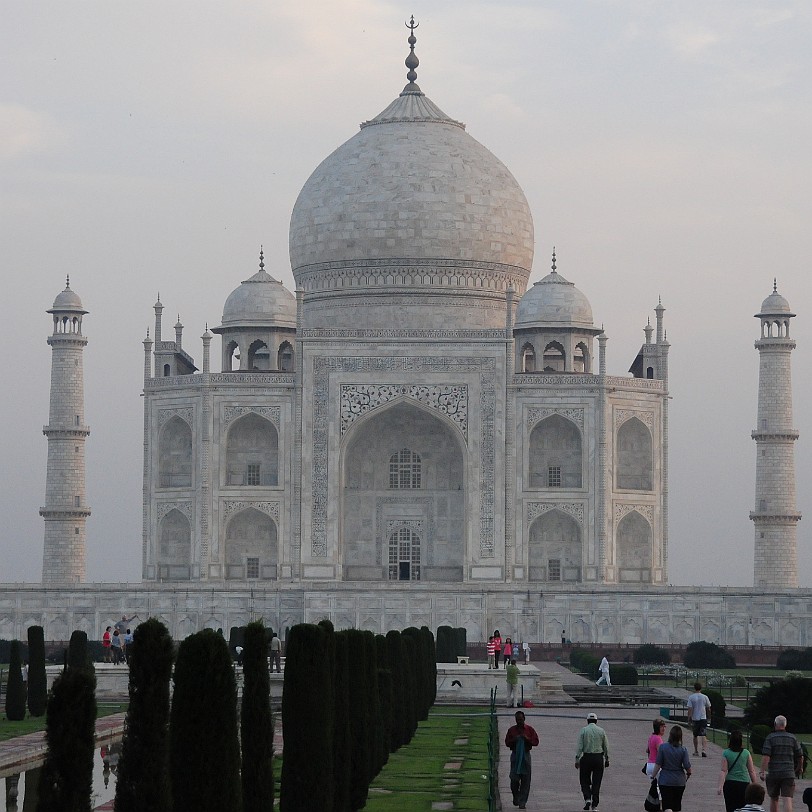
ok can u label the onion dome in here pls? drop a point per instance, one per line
(67, 301)
(775, 304)
(554, 302)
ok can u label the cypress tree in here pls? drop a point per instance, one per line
(204, 751)
(66, 780)
(410, 685)
(37, 679)
(15, 687)
(430, 664)
(417, 666)
(78, 656)
(307, 722)
(143, 777)
(256, 723)
(445, 645)
(342, 742)
(385, 699)
(377, 756)
(396, 660)
(359, 719)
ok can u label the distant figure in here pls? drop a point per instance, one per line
(276, 653)
(698, 707)
(491, 649)
(106, 642)
(754, 799)
(736, 774)
(521, 739)
(507, 650)
(591, 757)
(672, 769)
(563, 638)
(512, 676)
(526, 650)
(781, 761)
(497, 645)
(604, 677)
(127, 641)
(122, 624)
(115, 646)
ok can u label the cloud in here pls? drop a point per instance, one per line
(24, 131)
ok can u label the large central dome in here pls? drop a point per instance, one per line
(411, 201)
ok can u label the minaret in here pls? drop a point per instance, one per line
(775, 515)
(65, 511)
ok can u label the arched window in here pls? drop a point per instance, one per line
(634, 457)
(259, 357)
(528, 358)
(404, 555)
(252, 452)
(555, 548)
(581, 359)
(175, 454)
(232, 360)
(554, 358)
(650, 372)
(634, 548)
(404, 470)
(251, 545)
(555, 454)
(167, 370)
(175, 545)
(285, 357)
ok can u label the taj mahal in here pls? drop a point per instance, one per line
(418, 435)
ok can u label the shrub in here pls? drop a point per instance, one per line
(757, 735)
(256, 722)
(203, 727)
(460, 642)
(342, 742)
(718, 704)
(78, 656)
(143, 776)
(66, 779)
(396, 659)
(790, 697)
(793, 659)
(15, 687)
(702, 654)
(37, 679)
(624, 674)
(360, 720)
(649, 654)
(445, 645)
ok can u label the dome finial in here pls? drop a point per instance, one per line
(261, 259)
(554, 270)
(411, 60)
(775, 284)
(67, 281)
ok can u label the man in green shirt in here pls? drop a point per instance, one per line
(512, 674)
(591, 757)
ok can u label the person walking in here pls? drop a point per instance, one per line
(737, 772)
(512, 676)
(591, 757)
(653, 745)
(698, 707)
(781, 761)
(276, 653)
(491, 649)
(753, 799)
(521, 739)
(604, 678)
(672, 769)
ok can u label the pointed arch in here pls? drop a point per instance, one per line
(284, 361)
(528, 358)
(634, 460)
(175, 454)
(633, 543)
(555, 548)
(556, 454)
(252, 452)
(175, 546)
(259, 356)
(555, 359)
(582, 360)
(251, 545)
(232, 355)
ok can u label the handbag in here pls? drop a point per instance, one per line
(653, 802)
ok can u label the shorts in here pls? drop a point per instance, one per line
(672, 797)
(785, 787)
(699, 727)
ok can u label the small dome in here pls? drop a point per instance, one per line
(554, 302)
(260, 301)
(775, 304)
(68, 300)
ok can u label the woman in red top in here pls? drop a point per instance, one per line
(106, 643)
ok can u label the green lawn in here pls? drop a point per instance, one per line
(31, 724)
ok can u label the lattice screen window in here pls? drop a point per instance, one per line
(554, 569)
(554, 476)
(252, 568)
(404, 470)
(404, 555)
(252, 476)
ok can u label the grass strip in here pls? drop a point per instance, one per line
(33, 724)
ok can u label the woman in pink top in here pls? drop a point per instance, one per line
(654, 742)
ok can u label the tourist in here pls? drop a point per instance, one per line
(753, 799)
(512, 675)
(526, 650)
(127, 642)
(672, 769)
(497, 647)
(604, 677)
(520, 738)
(737, 772)
(698, 707)
(507, 650)
(591, 757)
(122, 624)
(491, 649)
(276, 653)
(106, 643)
(781, 761)
(654, 742)
(115, 646)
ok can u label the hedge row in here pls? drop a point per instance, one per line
(451, 643)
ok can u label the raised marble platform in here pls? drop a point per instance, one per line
(473, 682)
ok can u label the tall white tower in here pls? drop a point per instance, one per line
(65, 511)
(775, 515)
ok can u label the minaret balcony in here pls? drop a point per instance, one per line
(64, 513)
(773, 517)
(66, 431)
(789, 435)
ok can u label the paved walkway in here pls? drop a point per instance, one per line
(555, 785)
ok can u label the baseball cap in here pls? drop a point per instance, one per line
(592, 717)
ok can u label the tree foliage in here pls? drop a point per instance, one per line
(790, 697)
(256, 722)
(143, 777)
(702, 654)
(342, 741)
(397, 664)
(37, 678)
(649, 654)
(793, 659)
(15, 687)
(204, 753)
(78, 655)
(66, 779)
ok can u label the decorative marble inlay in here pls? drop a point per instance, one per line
(186, 414)
(622, 415)
(231, 506)
(271, 413)
(536, 415)
(622, 509)
(574, 509)
(358, 399)
(184, 506)
(416, 367)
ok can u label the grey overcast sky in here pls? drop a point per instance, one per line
(664, 149)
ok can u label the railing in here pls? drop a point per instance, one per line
(493, 756)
